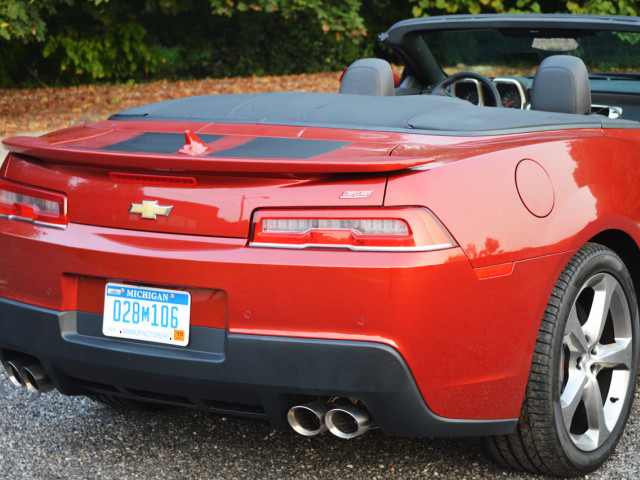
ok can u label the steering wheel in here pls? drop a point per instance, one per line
(440, 88)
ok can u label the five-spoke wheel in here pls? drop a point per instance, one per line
(596, 362)
(583, 372)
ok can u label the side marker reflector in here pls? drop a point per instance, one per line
(494, 271)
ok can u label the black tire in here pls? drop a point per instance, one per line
(580, 389)
(123, 403)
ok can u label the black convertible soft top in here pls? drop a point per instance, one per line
(416, 113)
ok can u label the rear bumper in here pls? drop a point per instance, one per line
(252, 375)
(468, 342)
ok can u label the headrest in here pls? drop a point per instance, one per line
(561, 85)
(368, 76)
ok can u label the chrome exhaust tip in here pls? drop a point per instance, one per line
(13, 368)
(349, 421)
(308, 420)
(36, 379)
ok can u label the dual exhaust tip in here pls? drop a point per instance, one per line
(346, 421)
(26, 372)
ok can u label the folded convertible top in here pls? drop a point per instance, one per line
(428, 114)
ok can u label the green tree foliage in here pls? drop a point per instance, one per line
(80, 41)
(423, 7)
(606, 7)
(22, 19)
(599, 7)
(26, 19)
(333, 15)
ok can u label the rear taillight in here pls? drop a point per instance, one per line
(385, 229)
(33, 204)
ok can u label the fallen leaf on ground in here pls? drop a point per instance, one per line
(48, 109)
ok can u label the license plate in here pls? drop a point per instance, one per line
(149, 314)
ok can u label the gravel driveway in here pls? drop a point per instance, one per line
(55, 437)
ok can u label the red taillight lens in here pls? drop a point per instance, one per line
(32, 204)
(385, 229)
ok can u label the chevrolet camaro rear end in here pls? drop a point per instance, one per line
(243, 292)
(384, 257)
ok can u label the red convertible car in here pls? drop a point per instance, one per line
(454, 254)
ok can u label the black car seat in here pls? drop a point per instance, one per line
(561, 85)
(368, 76)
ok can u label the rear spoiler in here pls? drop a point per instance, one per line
(40, 148)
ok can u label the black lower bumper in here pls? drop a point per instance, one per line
(257, 376)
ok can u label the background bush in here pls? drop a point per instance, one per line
(65, 42)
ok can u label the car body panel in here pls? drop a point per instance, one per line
(249, 291)
(220, 205)
(110, 149)
(332, 303)
(449, 327)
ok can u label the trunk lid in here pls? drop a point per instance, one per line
(133, 178)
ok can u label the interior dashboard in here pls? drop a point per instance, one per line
(515, 92)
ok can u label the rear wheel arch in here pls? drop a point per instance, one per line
(559, 415)
(627, 249)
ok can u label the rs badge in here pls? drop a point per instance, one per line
(149, 209)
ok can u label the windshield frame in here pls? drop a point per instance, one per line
(406, 38)
(509, 52)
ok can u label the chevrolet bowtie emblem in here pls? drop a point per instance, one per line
(149, 209)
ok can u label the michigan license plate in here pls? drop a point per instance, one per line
(149, 314)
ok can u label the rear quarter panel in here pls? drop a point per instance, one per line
(490, 326)
(473, 191)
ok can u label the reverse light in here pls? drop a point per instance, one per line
(385, 229)
(33, 204)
